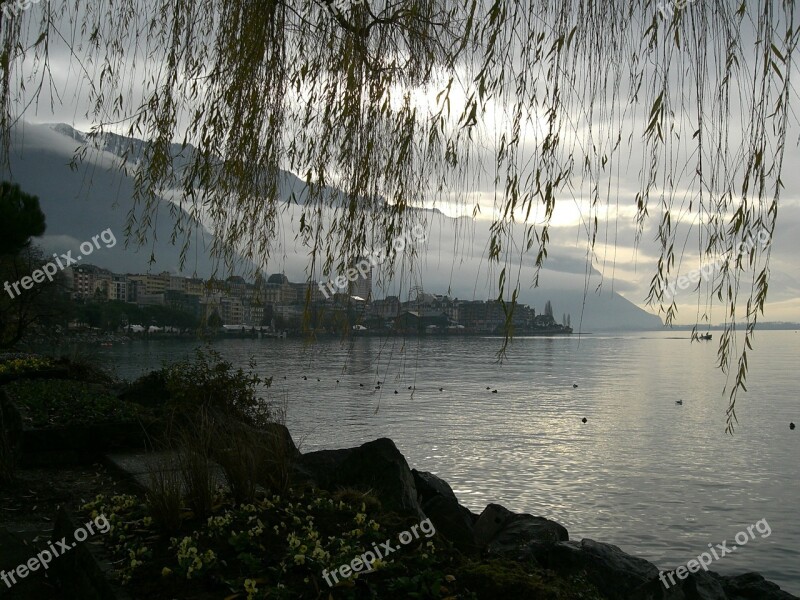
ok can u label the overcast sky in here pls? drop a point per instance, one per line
(454, 254)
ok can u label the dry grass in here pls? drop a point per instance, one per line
(195, 442)
(165, 492)
(238, 454)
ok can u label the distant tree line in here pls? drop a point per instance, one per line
(116, 315)
(21, 218)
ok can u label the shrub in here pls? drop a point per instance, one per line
(84, 367)
(149, 390)
(211, 383)
(56, 403)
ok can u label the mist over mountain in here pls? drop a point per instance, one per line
(603, 311)
(96, 195)
(80, 203)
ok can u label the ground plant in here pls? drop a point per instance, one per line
(279, 545)
(46, 403)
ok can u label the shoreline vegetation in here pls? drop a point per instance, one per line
(93, 337)
(208, 496)
(99, 337)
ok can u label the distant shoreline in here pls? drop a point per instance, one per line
(113, 339)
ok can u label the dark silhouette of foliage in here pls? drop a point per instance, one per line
(20, 218)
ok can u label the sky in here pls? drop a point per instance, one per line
(453, 258)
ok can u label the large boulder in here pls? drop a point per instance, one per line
(696, 586)
(439, 503)
(378, 466)
(502, 533)
(710, 586)
(703, 586)
(619, 576)
(490, 522)
(752, 586)
(430, 486)
(279, 440)
(320, 466)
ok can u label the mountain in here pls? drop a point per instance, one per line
(604, 311)
(131, 150)
(96, 195)
(81, 203)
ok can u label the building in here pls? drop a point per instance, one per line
(149, 284)
(253, 313)
(119, 288)
(276, 290)
(176, 283)
(182, 301)
(482, 317)
(237, 286)
(88, 281)
(231, 310)
(387, 308)
(195, 286)
(302, 292)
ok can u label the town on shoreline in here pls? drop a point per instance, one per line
(164, 303)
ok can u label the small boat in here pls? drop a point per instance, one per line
(706, 336)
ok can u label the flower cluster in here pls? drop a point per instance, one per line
(254, 548)
(25, 365)
(190, 560)
(121, 538)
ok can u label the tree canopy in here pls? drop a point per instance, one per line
(20, 218)
(403, 104)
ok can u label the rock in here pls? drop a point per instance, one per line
(278, 438)
(376, 465)
(490, 521)
(752, 586)
(430, 486)
(453, 522)
(525, 536)
(696, 586)
(503, 533)
(617, 575)
(320, 466)
(440, 504)
(703, 586)
(712, 586)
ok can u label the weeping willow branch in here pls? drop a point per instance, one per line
(383, 107)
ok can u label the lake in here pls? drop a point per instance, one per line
(660, 480)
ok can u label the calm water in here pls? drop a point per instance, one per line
(661, 481)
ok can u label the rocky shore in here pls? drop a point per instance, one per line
(499, 533)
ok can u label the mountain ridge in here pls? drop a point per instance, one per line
(80, 203)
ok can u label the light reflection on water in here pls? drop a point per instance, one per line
(659, 480)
